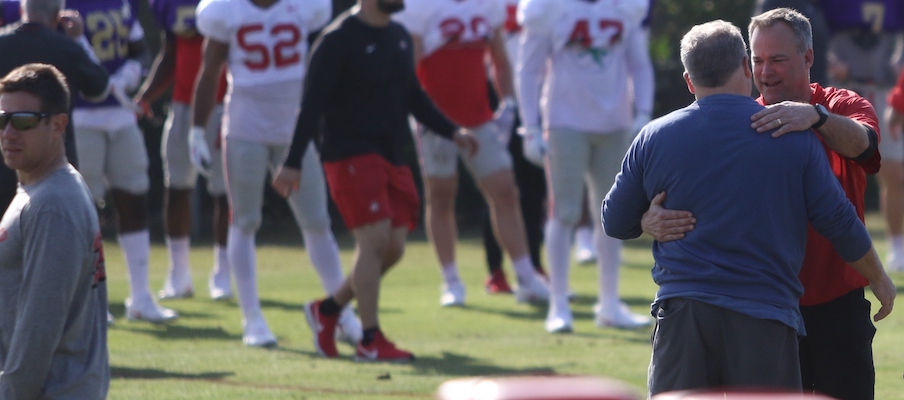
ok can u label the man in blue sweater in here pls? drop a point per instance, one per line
(727, 308)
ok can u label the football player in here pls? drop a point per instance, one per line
(264, 43)
(177, 66)
(451, 39)
(585, 87)
(111, 149)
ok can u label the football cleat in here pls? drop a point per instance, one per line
(219, 285)
(381, 349)
(453, 295)
(497, 283)
(324, 329)
(532, 290)
(148, 311)
(619, 316)
(257, 334)
(559, 319)
(169, 293)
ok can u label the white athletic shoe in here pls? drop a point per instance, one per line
(619, 317)
(148, 311)
(257, 334)
(453, 295)
(559, 319)
(584, 255)
(532, 290)
(110, 319)
(169, 292)
(348, 329)
(894, 262)
(219, 285)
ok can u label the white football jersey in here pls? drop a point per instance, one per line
(439, 22)
(584, 55)
(512, 30)
(265, 45)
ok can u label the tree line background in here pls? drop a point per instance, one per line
(671, 19)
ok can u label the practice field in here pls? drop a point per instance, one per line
(201, 356)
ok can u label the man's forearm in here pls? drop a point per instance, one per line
(845, 136)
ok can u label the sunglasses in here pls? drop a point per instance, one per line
(22, 120)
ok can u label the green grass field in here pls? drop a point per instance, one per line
(201, 356)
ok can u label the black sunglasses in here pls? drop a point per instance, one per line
(22, 120)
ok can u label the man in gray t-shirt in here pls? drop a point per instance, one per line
(53, 299)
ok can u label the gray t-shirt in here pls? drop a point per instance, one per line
(53, 298)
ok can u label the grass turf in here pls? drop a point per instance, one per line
(201, 355)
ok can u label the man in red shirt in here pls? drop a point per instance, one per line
(836, 355)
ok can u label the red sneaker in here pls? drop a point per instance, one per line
(323, 327)
(381, 349)
(497, 283)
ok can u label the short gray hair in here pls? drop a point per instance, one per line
(712, 52)
(45, 10)
(803, 32)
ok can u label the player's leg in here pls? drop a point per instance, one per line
(606, 154)
(125, 169)
(567, 159)
(246, 173)
(439, 168)
(179, 178)
(369, 200)
(891, 189)
(492, 169)
(309, 207)
(584, 249)
(219, 284)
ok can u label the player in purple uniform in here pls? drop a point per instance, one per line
(865, 57)
(177, 66)
(111, 146)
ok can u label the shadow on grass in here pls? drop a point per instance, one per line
(459, 365)
(177, 332)
(150, 373)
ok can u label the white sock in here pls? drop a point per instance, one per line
(450, 273)
(136, 249)
(220, 264)
(583, 237)
(558, 244)
(897, 245)
(179, 269)
(608, 260)
(243, 260)
(324, 254)
(524, 267)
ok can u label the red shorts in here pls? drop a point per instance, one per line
(367, 189)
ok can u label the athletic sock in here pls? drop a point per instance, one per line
(450, 274)
(608, 259)
(243, 260)
(179, 269)
(558, 244)
(324, 254)
(897, 245)
(330, 307)
(136, 248)
(369, 335)
(524, 267)
(220, 260)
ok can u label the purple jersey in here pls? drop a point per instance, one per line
(878, 16)
(108, 24)
(177, 17)
(9, 11)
